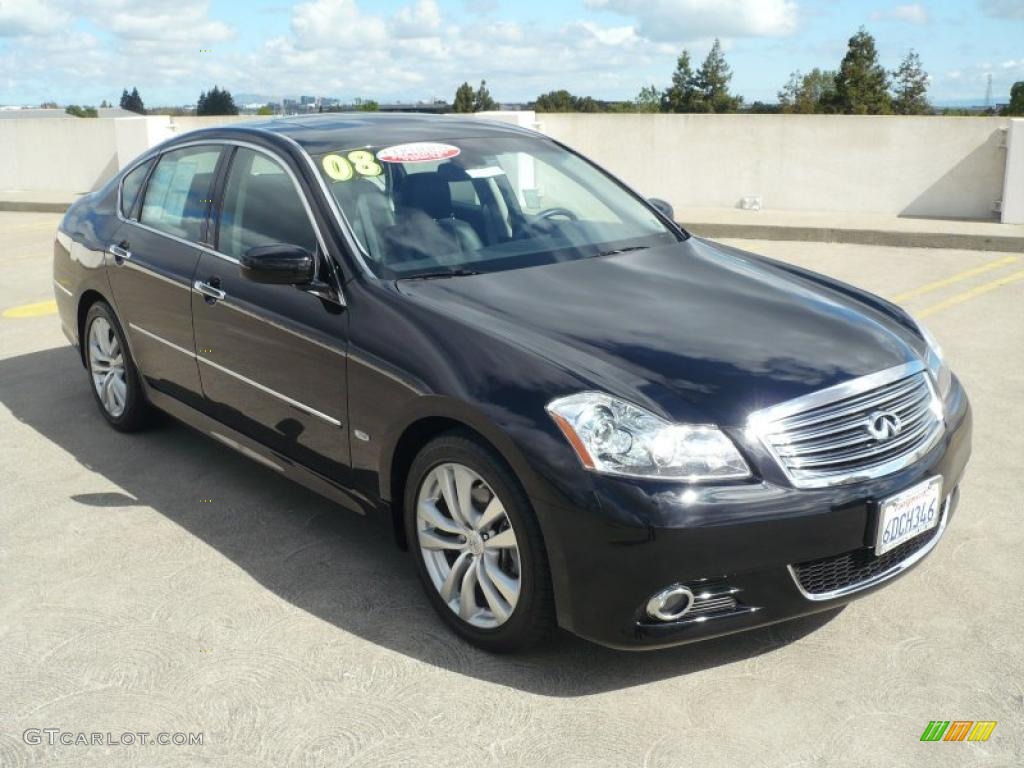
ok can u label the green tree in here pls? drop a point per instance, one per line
(648, 100)
(563, 101)
(910, 87)
(862, 84)
(682, 95)
(464, 98)
(76, 111)
(104, 104)
(216, 102)
(366, 105)
(1016, 106)
(712, 83)
(266, 109)
(132, 101)
(482, 101)
(808, 94)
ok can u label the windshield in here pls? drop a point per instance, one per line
(483, 205)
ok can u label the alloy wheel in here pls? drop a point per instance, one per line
(469, 546)
(106, 366)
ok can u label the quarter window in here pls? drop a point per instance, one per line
(261, 207)
(131, 186)
(178, 193)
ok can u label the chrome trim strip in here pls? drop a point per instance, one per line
(245, 451)
(69, 293)
(295, 403)
(153, 273)
(884, 575)
(162, 340)
(838, 392)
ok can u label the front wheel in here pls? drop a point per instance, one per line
(477, 545)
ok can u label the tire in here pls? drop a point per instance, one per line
(113, 377)
(443, 546)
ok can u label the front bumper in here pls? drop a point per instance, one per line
(635, 538)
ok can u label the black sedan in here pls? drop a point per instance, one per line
(569, 409)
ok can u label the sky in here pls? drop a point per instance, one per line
(84, 51)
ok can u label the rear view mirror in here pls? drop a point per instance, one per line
(664, 207)
(278, 264)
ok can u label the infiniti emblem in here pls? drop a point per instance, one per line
(884, 425)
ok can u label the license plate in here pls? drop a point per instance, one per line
(908, 514)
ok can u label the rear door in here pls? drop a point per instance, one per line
(272, 358)
(152, 261)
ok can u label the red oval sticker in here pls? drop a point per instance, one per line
(417, 152)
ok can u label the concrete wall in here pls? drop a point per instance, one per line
(1013, 190)
(907, 166)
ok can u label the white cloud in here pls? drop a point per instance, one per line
(30, 17)
(336, 24)
(688, 20)
(1003, 9)
(914, 13)
(422, 19)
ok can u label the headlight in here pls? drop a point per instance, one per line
(940, 372)
(618, 438)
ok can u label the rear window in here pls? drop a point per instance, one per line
(131, 186)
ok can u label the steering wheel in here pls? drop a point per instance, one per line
(550, 213)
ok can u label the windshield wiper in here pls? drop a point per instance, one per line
(457, 272)
(627, 249)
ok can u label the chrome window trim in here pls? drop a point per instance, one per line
(884, 575)
(263, 388)
(758, 421)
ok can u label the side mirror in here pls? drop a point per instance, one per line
(664, 207)
(278, 264)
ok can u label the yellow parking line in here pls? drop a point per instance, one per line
(38, 309)
(960, 298)
(992, 265)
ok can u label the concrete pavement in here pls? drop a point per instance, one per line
(161, 583)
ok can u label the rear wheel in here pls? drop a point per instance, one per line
(115, 379)
(477, 545)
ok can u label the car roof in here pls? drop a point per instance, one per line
(321, 133)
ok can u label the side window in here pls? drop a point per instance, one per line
(178, 193)
(131, 185)
(464, 193)
(261, 207)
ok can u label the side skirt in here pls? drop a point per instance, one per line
(258, 452)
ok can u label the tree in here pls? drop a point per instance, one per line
(266, 109)
(132, 101)
(216, 102)
(648, 100)
(104, 104)
(910, 87)
(682, 95)
(464, 98)
(76, 111)
(862, 84)
(482, 101)
(366, 105)
(712, 83)
(563, 101)
(1016, 106)
(808, 94)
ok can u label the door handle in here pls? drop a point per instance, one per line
(214, 294)
(120, 253)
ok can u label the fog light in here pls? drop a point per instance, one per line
(670, 604)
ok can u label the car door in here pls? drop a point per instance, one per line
(272, 358)
(152, 261)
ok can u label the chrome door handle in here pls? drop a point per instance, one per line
(208, 290)
(120, 254)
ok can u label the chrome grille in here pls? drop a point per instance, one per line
(824, 439)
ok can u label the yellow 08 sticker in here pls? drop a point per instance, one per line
(358, 161)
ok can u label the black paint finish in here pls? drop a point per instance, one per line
(696, 332)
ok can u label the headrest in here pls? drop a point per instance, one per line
(429, 193)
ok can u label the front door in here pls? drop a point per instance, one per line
(151, 265)
(272, 358)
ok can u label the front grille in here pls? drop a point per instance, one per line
(829, 442)
(840, 572)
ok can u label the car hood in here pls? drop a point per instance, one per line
(697, 331)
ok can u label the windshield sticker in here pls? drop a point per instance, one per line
(345, 168)
(417, 152)
(484, 173)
